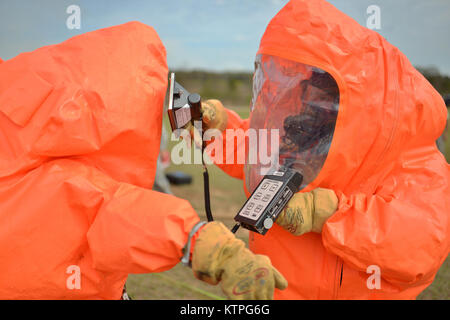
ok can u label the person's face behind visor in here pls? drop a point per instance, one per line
(302, 102)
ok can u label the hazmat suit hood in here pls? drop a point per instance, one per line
(80, 126)
(65, 101)
(377, 152)
(386, 111)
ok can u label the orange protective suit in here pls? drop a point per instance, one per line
(80, 126)
(392, 183)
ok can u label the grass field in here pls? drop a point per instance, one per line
(179, 283)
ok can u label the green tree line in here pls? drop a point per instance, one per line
(235, 88)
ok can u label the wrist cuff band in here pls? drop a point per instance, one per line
(187, 248)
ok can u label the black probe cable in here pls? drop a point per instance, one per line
(209, 215)
(236, 227)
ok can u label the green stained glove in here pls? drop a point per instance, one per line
(220, 257)
(308, 211)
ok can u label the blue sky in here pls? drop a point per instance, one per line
(219, 34)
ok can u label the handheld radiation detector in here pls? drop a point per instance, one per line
(270, 197)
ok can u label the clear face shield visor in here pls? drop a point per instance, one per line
(299, 102)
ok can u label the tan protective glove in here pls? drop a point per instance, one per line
(220, 257)
(308, 211)
(214, 117)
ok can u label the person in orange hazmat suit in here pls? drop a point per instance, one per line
(359, 122)
(80, 127)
